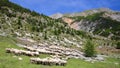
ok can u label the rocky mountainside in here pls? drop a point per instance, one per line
(103, 22)
(29, 26)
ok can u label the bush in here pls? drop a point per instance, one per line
(89, 49)
(45, 35)
(118, 45)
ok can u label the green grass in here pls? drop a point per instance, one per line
(44, 55)
(8, 61)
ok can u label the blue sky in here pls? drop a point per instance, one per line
(49, 7)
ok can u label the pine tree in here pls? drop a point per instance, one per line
(118, 45)
(56, 31)
(89, 49)
(45, 35)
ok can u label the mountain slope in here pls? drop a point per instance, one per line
(57, 15)
(21, 27)
(103, 22)
(20, 22)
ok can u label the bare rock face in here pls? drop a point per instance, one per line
(86, 26)
(56, 16)
(113, 15)
(67, 20)
(83, 25)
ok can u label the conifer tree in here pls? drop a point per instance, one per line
(89, 49)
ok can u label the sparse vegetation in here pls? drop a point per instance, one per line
(16, 21)
(33, 22)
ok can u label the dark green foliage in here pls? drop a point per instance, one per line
(89, 49)
(94, 17)
(57, 31)
(118, 45)
(45, 35)
(33, 28)
(109, 26)
(115, 37)
(72, 32)
(19, 23)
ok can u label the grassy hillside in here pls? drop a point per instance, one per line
(41, 28)
(14, 18)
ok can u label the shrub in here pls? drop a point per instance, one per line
(118, 45)
(89, 49)
(45, 35)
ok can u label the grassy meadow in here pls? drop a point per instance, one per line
(12, 61)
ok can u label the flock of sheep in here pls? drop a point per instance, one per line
(21, 52)
(51, 50)
(49, 61)
(56, 50)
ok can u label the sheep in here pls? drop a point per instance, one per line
(21, 52)
(8, 50)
